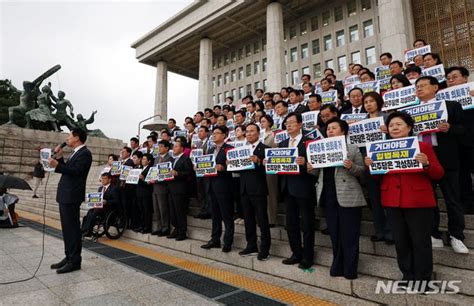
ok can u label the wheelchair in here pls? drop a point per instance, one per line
(111, 224)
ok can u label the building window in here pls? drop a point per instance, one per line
(286, 57)
(287, 78)
(219, 62)
(256, 67)
(329, 64)
(294, 77)
(368, 28)
(226, 94)
(219, 98)
(304, 51)
(241, 73)
(338, 15)
(340, 41)
(226, 78)
(327, 42)
(234, 93)
(233, 56)
(264, 64)
(342, 63)
(365, 5)
(317, 70)
(213, 82)
(293, 54)
(264, 43)
(354, 33)
(305, 70)
(355, 57)
(292, 31)
(248, 50)
(303, 28)
(315, 46)
(248, 70)
(214, 100)
(248, 89)
(314, 23)
(226, 59)
(370, 56)
(326, 16)
(214, 64)
(256, 47)
(240, 54)
(233, 74)
(256, 86)
(241, 92)
(351, 7)
(265, 83)
(219, 80)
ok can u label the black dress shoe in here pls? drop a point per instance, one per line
(226, 248)
(181, 237)
(173, 235)
(203, 216)
(60, 264)
(138, 229)
(69, 267)
(305, 264)
(156, 233)
(211, 244)
(374, 238)
(263, 255)
(145, 231)
(163, 233)
(35, 196)
(249, 252)
(291, 261)
(325, 231)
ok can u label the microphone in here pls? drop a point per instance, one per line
(60, 146)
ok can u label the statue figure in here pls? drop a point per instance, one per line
(44, 112)
(62, 118)
(82, 124)
(28, 98)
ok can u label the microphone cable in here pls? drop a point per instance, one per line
(42, 242)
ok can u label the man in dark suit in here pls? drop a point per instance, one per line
(179, 191)
(127, 191)
(71, 193)
(110, 200)
(161, 194)
(219, 189)
(253, 193)
(446, 144)
(355, 99)
(202, 197)
(144, 195)
(300, 197)
(296, 99)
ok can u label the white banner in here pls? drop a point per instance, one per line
(364, 131)
(327, 152)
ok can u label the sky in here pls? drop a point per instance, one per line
(91, 41)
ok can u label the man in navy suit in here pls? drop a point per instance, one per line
(300, 197)
(71, 193)
(356, 105)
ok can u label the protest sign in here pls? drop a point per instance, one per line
(384, 85)
(351, 79)
(354, 117)
(314, 134)
(164, 172)
(411, 54)
(116, 168)
(237, 143)
(327, 152)
(44, 155)
(310, 119)
(427, 116)
(364, 131)
(194, 153)
(239, 159)
(231, 136)
(270, 112)
(401, 97)
(124, 172)
(152, 174)
(205, 165)
(155, 150)
(178, 133)
(459, 93)
(230, 124)
(317, 88)
(277, 122)
(329, 97)
(382, 72)
(196, 142)
(435, 71)
(281, 161)
(133, 176)
(94, 200)
(365, 86)
(394, 155)
(143, 150)
(281, 136)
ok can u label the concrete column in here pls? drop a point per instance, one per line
(161, 92)
(275, 59)
(396, 30)
(205, 74)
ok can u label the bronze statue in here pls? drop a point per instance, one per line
(82, 123)
(44, 112)
(62, 118)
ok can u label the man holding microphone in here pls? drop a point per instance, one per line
(71, 193)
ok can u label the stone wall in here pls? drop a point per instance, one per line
(19, 148)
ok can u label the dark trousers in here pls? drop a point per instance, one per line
(344, 229)
(294, 206)
(379, 214)
(222, 209)
(255, 209)
(465, 178)
(179, 207)
(202, 196)
(71, 228)
(129, 202)
(411, 229)
(88, 221)
(449, 185)
(239, 212)
(145, 205)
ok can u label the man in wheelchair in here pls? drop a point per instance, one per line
(111, 201)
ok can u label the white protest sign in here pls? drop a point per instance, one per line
(205, 165)
(364, 131)
(382, 72)
(133, 176)
(459, 93)
(164, 172)
(327, 152)
(411, 54)
(44, 155)
(354, 117)
(281, 136)
(401, 97)
(94, 200)
(435, 71)
(329, 97)
(124, 172)
(310, 119)
(427, 116)
(281, 161)
(239, 159)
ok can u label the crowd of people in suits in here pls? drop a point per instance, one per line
(404, 205)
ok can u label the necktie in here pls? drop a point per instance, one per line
(356, 110)
(292, 142)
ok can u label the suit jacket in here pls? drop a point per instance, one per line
(413, 189)
(302, 185)
(144, 190)
(72, 185)
(348, 109)
(111, 195)
(301, 108)
(129, 162)
(447, 150)
(348, 189)
(180, 183)
(162, 187)
(254, 182)
(222, 183)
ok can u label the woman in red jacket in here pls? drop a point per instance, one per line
(410, 200)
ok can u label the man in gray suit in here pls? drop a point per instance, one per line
(161, 194)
